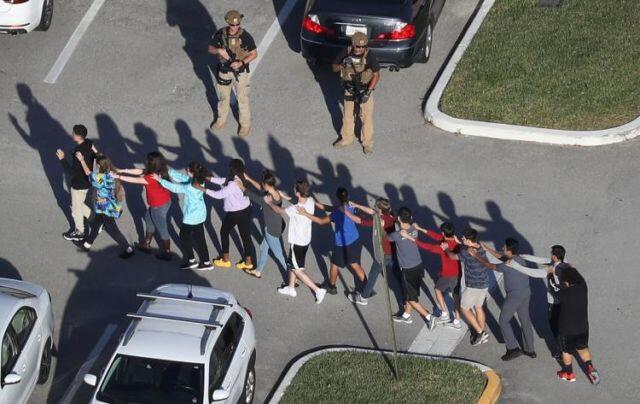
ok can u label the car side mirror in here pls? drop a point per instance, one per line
(12, 378)
(91, 380)
(220, 395)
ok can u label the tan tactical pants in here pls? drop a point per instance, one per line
(348, 122)
(79, 209)
(242, 94)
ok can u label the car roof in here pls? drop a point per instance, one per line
(170, 335)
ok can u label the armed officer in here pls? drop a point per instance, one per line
(235, 48)
(359, 72)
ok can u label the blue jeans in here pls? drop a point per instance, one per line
(272, 243)
(375, 271)
(156, 219)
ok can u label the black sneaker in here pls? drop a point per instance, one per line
(483, 337)
(189, 264)
(164, 256)
(511, 354)
(331, 289)
(205, 266)
(399, 318)
(474, 339)
(73, 235)
(531, 354)
(128, 253)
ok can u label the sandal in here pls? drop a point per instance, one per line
(253, 273)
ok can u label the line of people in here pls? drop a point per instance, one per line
(568, 315)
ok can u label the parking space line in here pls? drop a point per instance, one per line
(86, 366)
(71, 45)
(273, 31)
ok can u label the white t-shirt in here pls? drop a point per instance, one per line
(299, 225)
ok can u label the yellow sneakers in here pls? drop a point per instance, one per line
(222, 263)
(244, 266)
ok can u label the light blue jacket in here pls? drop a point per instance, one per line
(194, 210)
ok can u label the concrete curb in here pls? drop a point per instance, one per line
(441, 120)
(490, 394)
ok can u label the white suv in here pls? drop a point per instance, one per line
(185, 344)
(26, 323)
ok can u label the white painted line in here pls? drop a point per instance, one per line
(71, 45)
(444, 340)
(86, 366)
(273, 31)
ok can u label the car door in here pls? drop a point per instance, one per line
(225, 363)
(20, 354)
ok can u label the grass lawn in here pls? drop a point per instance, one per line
(358, 377)
(574, 67)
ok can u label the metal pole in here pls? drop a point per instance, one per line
(379, 257)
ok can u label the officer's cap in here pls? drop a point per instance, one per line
(359, 39)
(233, 17)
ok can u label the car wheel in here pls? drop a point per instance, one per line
(249, 389)
(47, 15)
(425, 50)
(45, 363)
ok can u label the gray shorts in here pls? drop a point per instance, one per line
(445, 285)
(472, 297)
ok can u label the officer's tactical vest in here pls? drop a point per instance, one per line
(359, 65)
(234, 43)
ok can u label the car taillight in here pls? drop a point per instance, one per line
(15, 1)
(402, 30)
(248, 311)
(311, 23)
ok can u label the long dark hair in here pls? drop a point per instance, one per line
(200, 172)
(104, 167)
(236, 169)
(156, 164)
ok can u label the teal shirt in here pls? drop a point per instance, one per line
(194, 210)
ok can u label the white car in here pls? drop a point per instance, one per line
(185, 344)
(22, 16)
(26, 322)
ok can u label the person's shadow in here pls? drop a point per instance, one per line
(114, 145)
(45, 134)
(197, 28)
(103, 295)
(7, 270)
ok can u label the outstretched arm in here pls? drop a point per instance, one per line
(445, 247)
(131, 180)
(175, 188)
(131, 171)
(363, 208)
(253, 182)
(491, 250)
(314, 219)
(534, 259)
(85, 168)
(355, 218)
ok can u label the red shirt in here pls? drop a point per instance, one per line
(450, 267)
(388, 224)
(157, 195)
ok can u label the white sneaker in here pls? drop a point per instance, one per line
(443, 319)
(86, 245)
(288, 290)
(357, 298)
(454, 324)
(320, 294)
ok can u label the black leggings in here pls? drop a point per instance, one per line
(109, 224)
(242, 219)
(190, 233)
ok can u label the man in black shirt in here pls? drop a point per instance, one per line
(360, 72)
(235, 48)
(79, 182)
(573, 322)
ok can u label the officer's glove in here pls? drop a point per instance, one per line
(365, 96)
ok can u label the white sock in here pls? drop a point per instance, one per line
(444, 314)
(406, 315)
(428, 317)
(456, 321)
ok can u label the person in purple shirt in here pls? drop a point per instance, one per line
(237, 208)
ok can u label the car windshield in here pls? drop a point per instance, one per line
(131, 379)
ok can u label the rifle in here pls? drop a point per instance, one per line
(359, 92)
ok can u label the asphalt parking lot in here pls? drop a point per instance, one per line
(139, 81)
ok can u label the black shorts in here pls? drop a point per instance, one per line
(297, 254)
(411, 279)
(342, 256)
(574, 342)
(446, 284)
